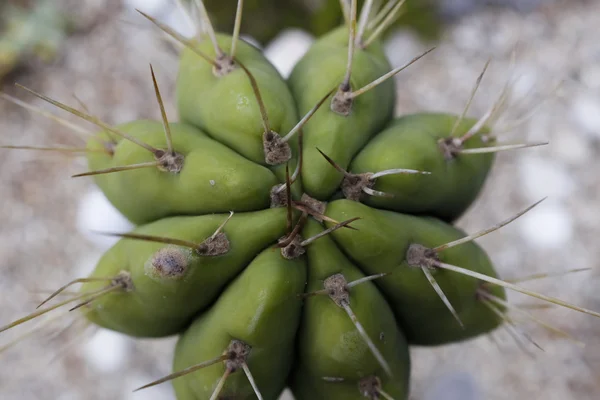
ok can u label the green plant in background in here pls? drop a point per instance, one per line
(293, 233)
(264, 19)
(36, 31)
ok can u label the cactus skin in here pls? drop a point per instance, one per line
(161, 307)
(328, 344)
(213, 178)
(412, 141)
(380, 246)
(261, 308)
(322, 69)
(225, 106)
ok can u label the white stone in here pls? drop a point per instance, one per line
(585, 111)
(548, 226)
(287, 48)
(180, 22)
(401, 47)
(467, 37)
(541, 177)
(571, 146)
(147, 6)
(86, 265)
(590, 76)
(525, 82)
(96, 213)
(453, 386)
(107, 351)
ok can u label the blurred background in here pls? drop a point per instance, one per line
(96, 53)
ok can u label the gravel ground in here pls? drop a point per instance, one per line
(44, 239)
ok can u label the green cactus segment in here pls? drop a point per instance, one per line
(308, 387)
(380, 245)
(213, 178)
(226, 107)
(260, 308)
(412, 142)
(320, 70)
(329, 344)
(173, 283)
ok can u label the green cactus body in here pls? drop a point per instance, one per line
(381, 245)
(308, 387)
(320, 70)
(164, 297)
(330, 346)
(213, 178)
(225, 107)
(261, 308)
(413, 142)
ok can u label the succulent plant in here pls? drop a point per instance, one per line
(293, 232)
(264, 19)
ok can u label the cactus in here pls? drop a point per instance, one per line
(292, 232)
(266, 18)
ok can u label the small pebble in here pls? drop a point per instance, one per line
(147, 6)
(107, 351)
(454, 386)
(180, 23)
(549, 226)
(585, 111)
(287, 48)
(542, 177)
(96, 213)
(571, 147)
